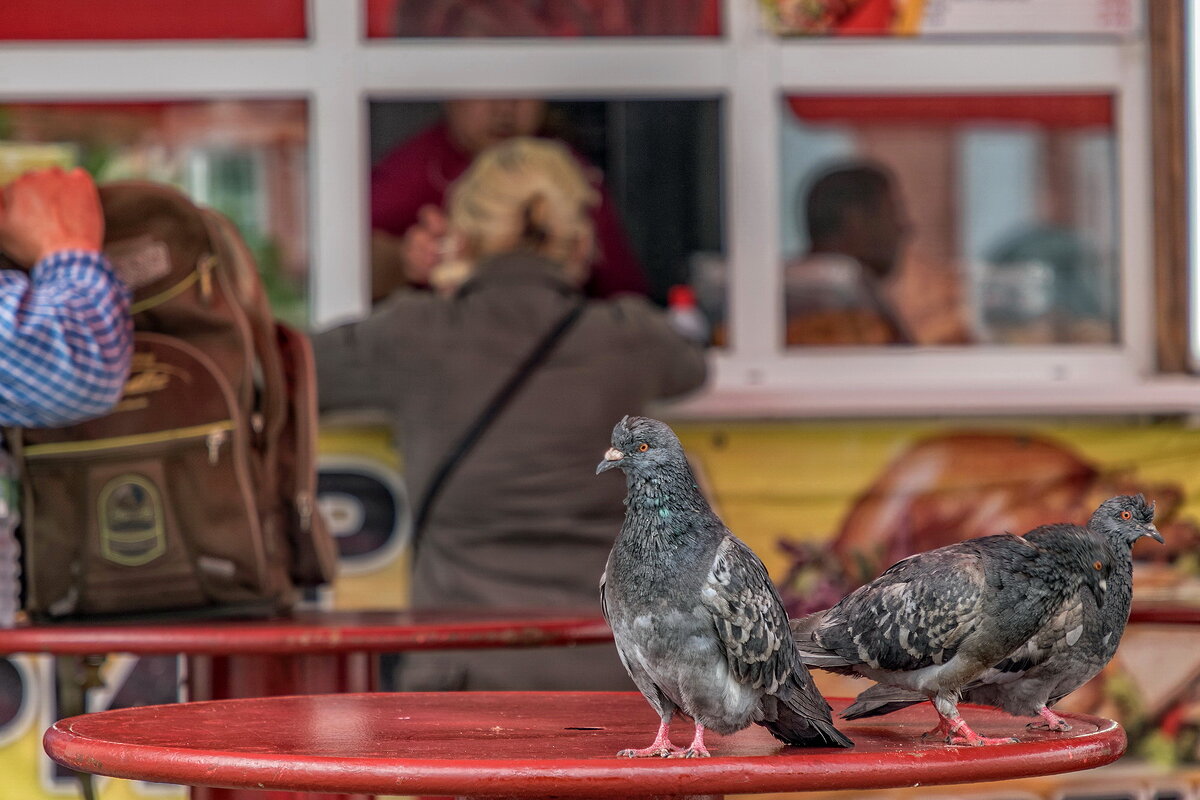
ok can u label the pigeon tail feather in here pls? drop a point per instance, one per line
(880, 700)
(802, 716)
(804, 627)
(813, 654)
(792, 726)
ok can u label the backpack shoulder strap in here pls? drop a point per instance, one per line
(235, 264)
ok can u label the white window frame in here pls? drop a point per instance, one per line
(338, 72)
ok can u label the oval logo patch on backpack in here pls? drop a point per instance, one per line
(131, 521)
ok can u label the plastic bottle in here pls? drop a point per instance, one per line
(10, 549)
(685, 314)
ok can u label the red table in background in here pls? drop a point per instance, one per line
(308, 652)
(1164, 613)
(527, 744)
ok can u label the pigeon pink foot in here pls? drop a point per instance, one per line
(696, 749)
(940, 731)
(1053, 722)
(960, 733)
(661, 746)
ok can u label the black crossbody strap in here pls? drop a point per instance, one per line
(492, 410)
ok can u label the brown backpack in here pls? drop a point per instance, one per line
(198, 490)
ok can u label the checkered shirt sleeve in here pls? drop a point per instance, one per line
(65, 340)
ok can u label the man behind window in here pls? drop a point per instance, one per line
(857, 227)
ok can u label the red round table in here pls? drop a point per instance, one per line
(535, 744)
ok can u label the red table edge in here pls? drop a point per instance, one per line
(265, 638)
(591, 776)
(253, 639)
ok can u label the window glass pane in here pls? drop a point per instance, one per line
(151, 19)
(246, 158)
(542, 18)
(655, 161)
(950, 17)
(949, 220)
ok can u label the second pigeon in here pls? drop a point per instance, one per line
(1066, 652)
(935, 622)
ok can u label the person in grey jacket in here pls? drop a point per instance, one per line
(522, 523)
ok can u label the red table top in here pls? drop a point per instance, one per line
(531, 744)
(317, 632)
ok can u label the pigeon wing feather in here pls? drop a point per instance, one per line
(915, 615)
(1056, 637)
(749, 618)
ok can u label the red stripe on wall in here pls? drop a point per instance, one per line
(77, 20)
(1055, 110)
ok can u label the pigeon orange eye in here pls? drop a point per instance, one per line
(643, 447)
(1126, 514)
(1097, 565)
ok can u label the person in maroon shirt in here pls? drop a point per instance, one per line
(408, 189)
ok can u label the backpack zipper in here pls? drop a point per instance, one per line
(166, 294)
(214, 434)
(213, 441)
(206, 266)
(304, 509)
(203, 273)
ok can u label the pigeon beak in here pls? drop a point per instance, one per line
(611, 457)
(1152, 532)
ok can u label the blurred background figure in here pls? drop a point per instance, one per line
(1041, 286)
(522, 522)
(65, 330)
(855, 284)
(857, 227)
(66, 337)
(408, 192)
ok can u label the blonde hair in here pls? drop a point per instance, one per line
(521, 194)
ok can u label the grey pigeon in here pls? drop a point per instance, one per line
(1068, 650)
(935, 622)
(696, 620)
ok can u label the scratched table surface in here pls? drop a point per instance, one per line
(316, 632)
(521, 744)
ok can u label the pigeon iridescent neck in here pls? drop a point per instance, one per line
(665, 502)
